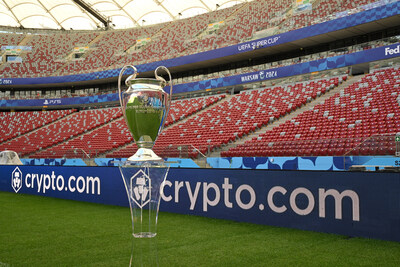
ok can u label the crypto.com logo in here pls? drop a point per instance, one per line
(16, 179)
(140, 186)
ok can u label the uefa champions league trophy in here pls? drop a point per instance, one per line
(145, 106)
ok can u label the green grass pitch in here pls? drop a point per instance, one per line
(40, 231)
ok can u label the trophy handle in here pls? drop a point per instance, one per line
(170, 86)
(162, 79)
(133, 76)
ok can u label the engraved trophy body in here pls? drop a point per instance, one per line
(145, 106)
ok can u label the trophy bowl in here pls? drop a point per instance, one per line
(145, 106)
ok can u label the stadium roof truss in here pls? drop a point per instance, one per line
(94, 14)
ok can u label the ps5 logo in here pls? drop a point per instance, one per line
(16, 179)
(52, 102)
(140, 188)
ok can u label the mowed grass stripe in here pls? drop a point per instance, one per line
(41, 231)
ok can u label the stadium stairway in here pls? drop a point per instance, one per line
(319, 100)
(26, 40)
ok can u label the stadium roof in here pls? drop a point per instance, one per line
(92, 14)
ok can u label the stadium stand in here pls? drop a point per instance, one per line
(359, 120)
(60, 130)
(57, 93)
(98, 131)
(106, 49)
(241, 114)
(48, 54)
(53, 53)
(354, 121)
(14, 124)
(320, 11)
(8, 39)
(97, 141)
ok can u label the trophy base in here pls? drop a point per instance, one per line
(144, 154)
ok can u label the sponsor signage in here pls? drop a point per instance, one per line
(59, 101)
(262, 43)
(392, 51)
(76, 183)
(259, 76)
(346, 203)
(16, 179)
(140, 185)
(48, 102)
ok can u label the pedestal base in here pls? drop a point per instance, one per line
(143, 181)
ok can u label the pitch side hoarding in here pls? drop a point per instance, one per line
(365, 204)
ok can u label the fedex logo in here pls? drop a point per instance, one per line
(392, 51)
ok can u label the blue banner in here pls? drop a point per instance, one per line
(324, 163)
(365, 204)
(59, 101)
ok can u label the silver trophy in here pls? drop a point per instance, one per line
(145, 106)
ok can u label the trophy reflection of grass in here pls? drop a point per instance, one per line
(144, 119)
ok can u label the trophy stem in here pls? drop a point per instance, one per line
(144, 155)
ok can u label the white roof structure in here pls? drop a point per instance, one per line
(68, 14)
